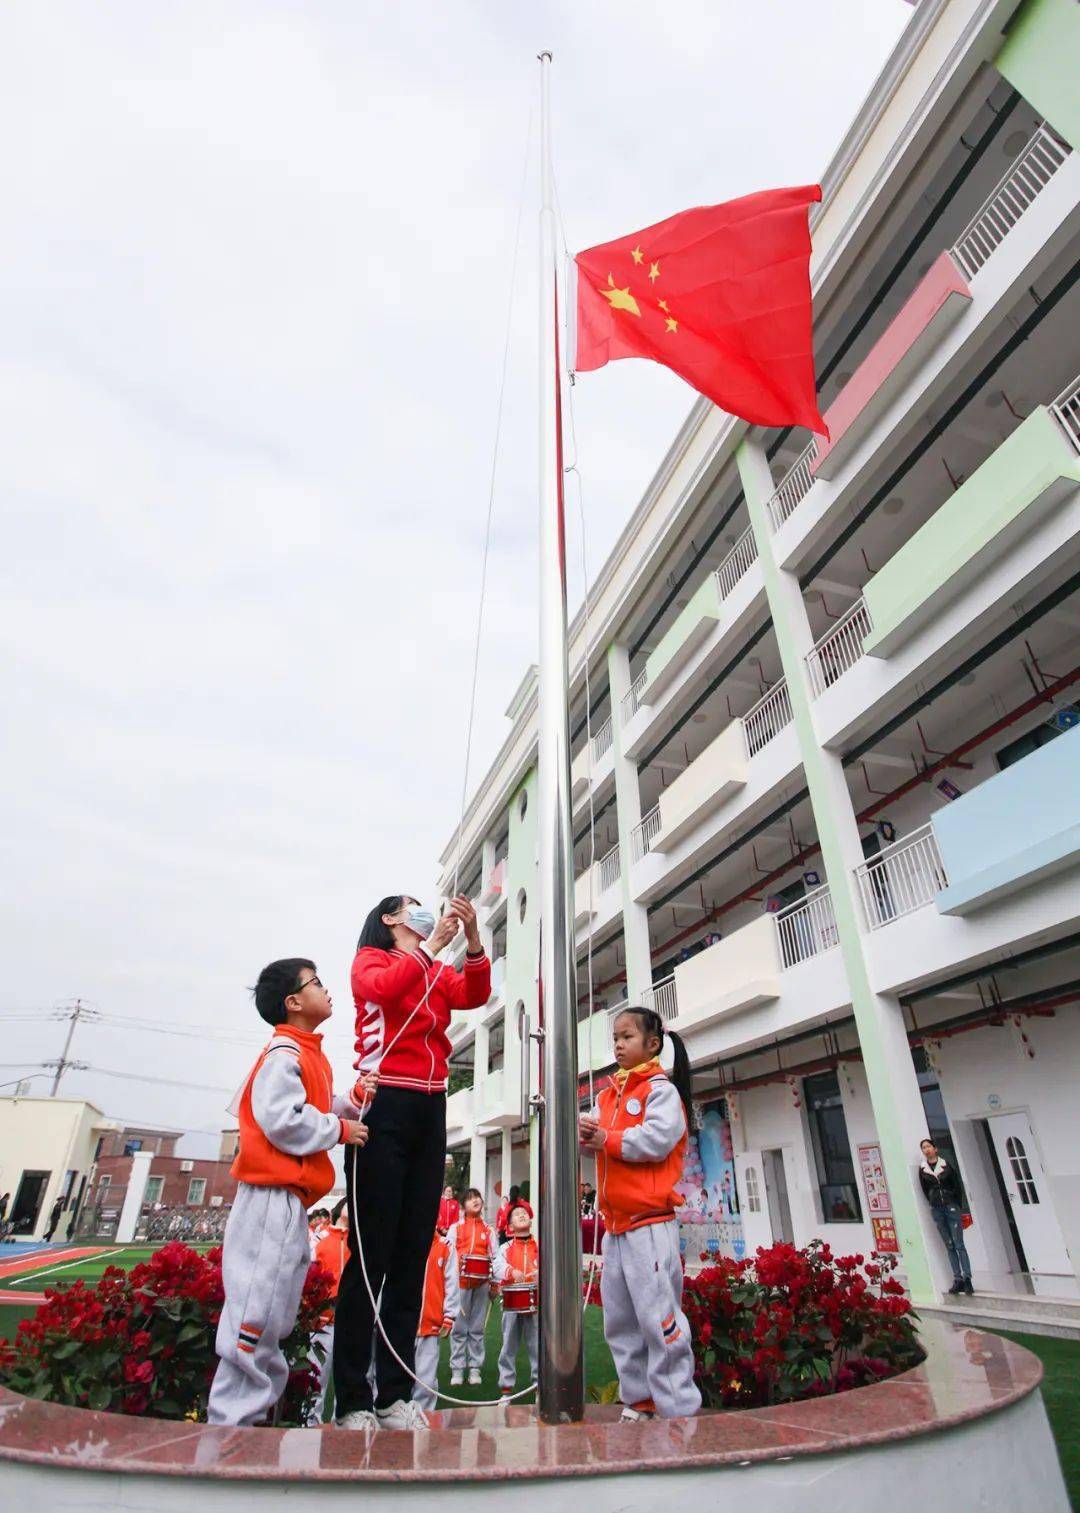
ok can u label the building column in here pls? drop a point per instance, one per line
(136, 1188)
(890, 1073)
(628, 815)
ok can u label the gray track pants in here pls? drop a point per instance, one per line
(644, 1324)
(426, 1366)
(517, 1328)
(467, 1339)
(264, 1264)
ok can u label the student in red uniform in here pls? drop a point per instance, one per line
(289, 1121)
(438, 1311)
(518, 1262)
(404, 998)
(638, 1130)
(449, 1210)
(471, 1237)
(330, 1252)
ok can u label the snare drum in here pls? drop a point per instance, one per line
(476, 1268)
(519, 1297)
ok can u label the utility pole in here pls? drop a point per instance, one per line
(63, 1064)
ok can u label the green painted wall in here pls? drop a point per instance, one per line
(705, 602)
(1041, 60)
(973, 525)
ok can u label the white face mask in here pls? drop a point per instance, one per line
(422, 921)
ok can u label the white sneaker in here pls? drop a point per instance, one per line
(634, 1416)
(359, 1418)
(402, 1415)
(474, 1376)
(457, 1379)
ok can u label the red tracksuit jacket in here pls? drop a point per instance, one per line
(387, 986)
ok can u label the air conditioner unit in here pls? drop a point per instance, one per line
(187, 1166)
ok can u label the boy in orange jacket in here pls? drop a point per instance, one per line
(473, 1243)
(289, 1121)
(438, 1312)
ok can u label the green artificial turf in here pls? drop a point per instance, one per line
(1061, 1394)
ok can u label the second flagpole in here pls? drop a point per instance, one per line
(562, 1386)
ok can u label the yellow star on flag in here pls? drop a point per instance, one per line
(664, 305)
(654, 272)
(620, 299)
(672, 324)
(638, 255)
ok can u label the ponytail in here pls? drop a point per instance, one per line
(652, 1024)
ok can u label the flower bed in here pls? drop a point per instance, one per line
(792, 1324)
(142, 1341)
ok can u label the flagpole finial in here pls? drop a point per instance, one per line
(545, 54)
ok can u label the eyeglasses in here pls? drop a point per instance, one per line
(308, 984)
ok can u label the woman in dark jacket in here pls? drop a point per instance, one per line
(945, 1193)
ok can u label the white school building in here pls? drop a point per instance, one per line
(827, 795)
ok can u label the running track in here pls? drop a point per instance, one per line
(41, 1261)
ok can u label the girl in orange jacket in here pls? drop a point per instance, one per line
(638, 1131)
(470, 1237)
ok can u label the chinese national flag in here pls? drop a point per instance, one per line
(721, 296)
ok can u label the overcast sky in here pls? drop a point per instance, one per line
(256, 267)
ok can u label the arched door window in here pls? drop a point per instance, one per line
(1021, 1170)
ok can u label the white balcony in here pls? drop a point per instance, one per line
(643, 834)
(459, 1114)
(594, 765)
(663, 998)
(708, 782)
(747, 969)
(901, 878)
(999, 213)
(1066, 411)
(592, 886)
(609, 869)
(632, 701)
(767, 719)
(737, 563)
(839, 648)
(792, 488)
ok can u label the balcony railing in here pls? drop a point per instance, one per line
(602, 739)
(839, 648)
(794, 487)
(902, 877)
(643, 835)
(631, 701)
(806, 928)
(767, 718)
(737, 562)
(1066, 409)
(662, 997)
(1024, 181)
(608, 869)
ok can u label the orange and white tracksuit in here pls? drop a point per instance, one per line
(517, 1261)
(289, 1122)
(438, 1311)
(331, 1252)
(470, 1236)
(644, 1127)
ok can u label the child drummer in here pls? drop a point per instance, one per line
(473, 1241)
(516, 1271)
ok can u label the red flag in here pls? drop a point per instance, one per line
(721, 296)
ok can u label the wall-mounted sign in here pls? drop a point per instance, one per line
(887, 830)
(873, 1174)
(950, 790)
(812, 879)
(885, 1240)
(993, 1100)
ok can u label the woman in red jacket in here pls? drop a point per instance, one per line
(404, 998)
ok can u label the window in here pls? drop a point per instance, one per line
(152, 1195)
(832, 1150)
(103, 1183)
(196, 1190)
(460, 1069)
(1021, 1170)
(131, 1146)
(753, 1191)
(937, 1124)
(1042, 735)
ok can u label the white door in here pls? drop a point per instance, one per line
(753, 1201)
(1029, 1195)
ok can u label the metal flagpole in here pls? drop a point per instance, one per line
(562, 1384)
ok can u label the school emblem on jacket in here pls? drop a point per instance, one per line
(633, 1106)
